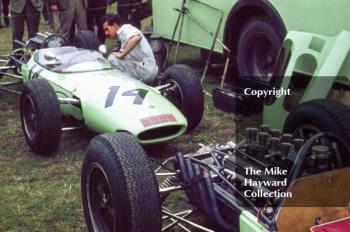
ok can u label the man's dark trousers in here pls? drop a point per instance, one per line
(129, 11)
(29, 15)
(97, 9)
(5, 11)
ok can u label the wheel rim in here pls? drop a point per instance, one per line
(260, 57)
(30, 118)
(306, 131)
(174, 93)
(100, 200)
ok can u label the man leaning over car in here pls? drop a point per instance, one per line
(135, 56)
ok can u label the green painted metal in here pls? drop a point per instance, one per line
(321, 59)
(249, 223)
(314, 16)
(92, 88)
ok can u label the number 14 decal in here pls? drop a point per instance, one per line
(139, 95)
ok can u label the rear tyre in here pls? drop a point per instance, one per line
(258, 46)
(119, 187)
(185, 93)
(40, 116)
(87, 40)
(319, 115)
(323, 115)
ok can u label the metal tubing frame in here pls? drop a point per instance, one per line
(10, 91)
(11, 75)
(184, 11)
(69, 101)
(203, 193)
(64, 129)
(4, 58)
(162, 165)
(166, 174)
(4, 85)
(204, 190)
(173, 35)
(209, 201)
(180, 219)
(7, 67)
(170, 189)
(253, 207)
(174, 222)
(44, 35)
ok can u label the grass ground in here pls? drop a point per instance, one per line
(43, 193)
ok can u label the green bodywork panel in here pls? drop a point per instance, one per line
(322, 60)
(109, 98)
(314, 16)
(249, 223)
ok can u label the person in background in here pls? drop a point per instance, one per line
(48, 16)
(0, 15)
(27, 11)
(70, 13)
(5, 11)
(135, 56)
(97, 9)
(129, 11)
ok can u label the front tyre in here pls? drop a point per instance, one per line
(185, 92)
(119, 187)
(40, 116)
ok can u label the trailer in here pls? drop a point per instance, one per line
(248, 32)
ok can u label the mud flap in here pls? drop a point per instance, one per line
(315, 199)
(233, 102)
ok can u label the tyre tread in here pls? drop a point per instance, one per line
(49, 116)
(192, 91)
(136, 181)
(336, 114)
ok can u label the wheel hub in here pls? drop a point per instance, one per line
(174, 94)
(260, 57)
(29, 118)
(104, 201)
(99, 199)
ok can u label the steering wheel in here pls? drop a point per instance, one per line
(54, 41)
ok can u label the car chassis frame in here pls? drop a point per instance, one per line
(208, 183)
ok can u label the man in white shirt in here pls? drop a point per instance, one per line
(135, 56)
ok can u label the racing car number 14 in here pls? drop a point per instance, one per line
(139, 95)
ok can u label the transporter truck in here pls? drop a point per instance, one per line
(250, 32)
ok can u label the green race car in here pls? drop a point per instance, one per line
(80, 84)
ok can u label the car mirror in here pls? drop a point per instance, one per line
(50, 56)
(102, 49)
